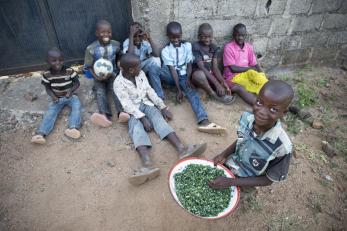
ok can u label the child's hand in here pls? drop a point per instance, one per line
(220, 182)
(220, 90)
(219, 159)
(146, 124)
(179, 96)
(227, 88)
(133, 29)
(166, 114)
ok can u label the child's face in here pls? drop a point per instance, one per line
(268, 109)
(138, 38)
(56, 60)
(134, 70)
(206, 37)
(104, 33)
(175, 37)
(240, 36)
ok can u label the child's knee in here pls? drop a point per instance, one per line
(199, 76)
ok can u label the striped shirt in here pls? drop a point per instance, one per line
(62, 83)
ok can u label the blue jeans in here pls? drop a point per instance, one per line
(50, 116)
(152, 71)
(191, 94)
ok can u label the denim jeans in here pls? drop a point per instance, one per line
(191, 94)
(152, 70)
(101, 88)
(54, 108)
(137, 132)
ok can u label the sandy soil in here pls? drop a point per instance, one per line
(66, 185)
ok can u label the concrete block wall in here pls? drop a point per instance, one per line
(287, 32)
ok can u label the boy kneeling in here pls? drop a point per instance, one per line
(262, 152)
(141, 102)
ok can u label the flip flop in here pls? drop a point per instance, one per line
(72, 133)
(212, 128)
(123, 117)
(194, 150)
(144, 175)
(38, 139)
(100, 120)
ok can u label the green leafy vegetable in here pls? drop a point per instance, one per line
(194, 193)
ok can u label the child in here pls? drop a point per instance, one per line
(60, 83)
(108, 49)
(141, 44)
(262, 151)
(240, 66)
(147, 111)
(206, 73)
(177, 58)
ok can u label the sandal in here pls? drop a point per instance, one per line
(100, 120)
(38, 139)
(144, 175)
(123, 117)
(193, 150)
(228, 99)
(72, 133)
(212, 128)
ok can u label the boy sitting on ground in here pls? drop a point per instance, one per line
(141, 44)
(241, 70)
(177, 58)
(108, 49)
(262, 152)
(147, 111)
(206, 74)
(60, 83)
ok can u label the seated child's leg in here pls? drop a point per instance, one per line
(137, 133)
(75, 115)
(249, 98)
(166, 77)
(50, 117)
(152, 71)
(194, 100)
(199, 79)
(118, 105)
(100, 89)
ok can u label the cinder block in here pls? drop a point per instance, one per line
(260, 45)
(324, 54)
(304, 23)
(299, 6)
(195, 9)
(296, 56)
(259, 26)
(319, 6)
(276, 8)
(343, 8)
(271, 60)
(315, 39)
(284, 42)
(279, 25)
(339, 37)
(335, 21)
(244, 8)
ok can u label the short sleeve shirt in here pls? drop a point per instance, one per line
(256, 156)
(143, 52)
(96, 51)
(235, 55)
(178, 57)
(201, 54)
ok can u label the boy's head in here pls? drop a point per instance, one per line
(239, 33)
(55, 59)
(174, 33)
(138, 37)
(205, 34)
(272, 103)
(130, 65)
(103, 31)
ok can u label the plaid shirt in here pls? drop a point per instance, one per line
(96, 51)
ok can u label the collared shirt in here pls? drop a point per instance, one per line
(96, 51)
(268, 154)
(143, 52)
(201, 54)
(234, 55)
(61, 83)
(178, 57)
(131, 96)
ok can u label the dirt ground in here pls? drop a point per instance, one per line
(82, 185)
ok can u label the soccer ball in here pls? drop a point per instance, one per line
(102, 67)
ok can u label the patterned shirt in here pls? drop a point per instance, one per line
(143, 52)
(266, 155)
(96, 51)
(131, 96)
(62, 83)
(178, 57)
(201, 54)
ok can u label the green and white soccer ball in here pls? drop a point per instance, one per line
(102, 67)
